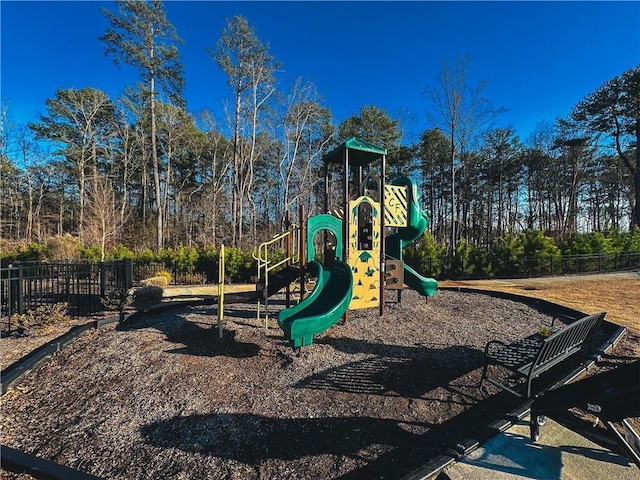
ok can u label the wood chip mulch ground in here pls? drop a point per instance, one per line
(377, 397)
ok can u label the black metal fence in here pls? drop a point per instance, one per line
(204, 271)
(81, 286)
(528, 267)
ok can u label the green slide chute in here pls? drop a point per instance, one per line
(417, 223)
(323, 307)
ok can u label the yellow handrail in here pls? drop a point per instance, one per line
(264, 265)
(263, 251)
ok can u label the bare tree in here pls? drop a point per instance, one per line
(250, 69)
(80, 121)
(104, 220)
(460, 110)
(306, 134)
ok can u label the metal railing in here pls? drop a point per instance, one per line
(267, 257)
(527, 266)
(80, 286)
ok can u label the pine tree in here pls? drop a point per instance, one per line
(141, 36)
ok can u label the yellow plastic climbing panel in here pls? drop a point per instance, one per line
(364, 252)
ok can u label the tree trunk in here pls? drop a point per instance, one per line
(156, 169)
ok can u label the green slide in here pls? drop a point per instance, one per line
(323, 307)
(417, 223)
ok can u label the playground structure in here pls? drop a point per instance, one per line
(356, 260)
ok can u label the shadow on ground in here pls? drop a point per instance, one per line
(199, 339)
(393, 370)
(385, 447)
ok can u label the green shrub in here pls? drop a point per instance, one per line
(536, 244)
(121, 252)
(18, 251)
(470, 261)
(147, 256)
(117, 300)
(181, 260)
(625, 242)
(93, 253)
(425, 255)
(633, 242)
(35, 251)
(147, 295)
(507, 255)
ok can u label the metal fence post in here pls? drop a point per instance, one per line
(20, 291)
(128, 273)
(103, 279)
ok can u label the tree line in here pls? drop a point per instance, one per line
(141, 171)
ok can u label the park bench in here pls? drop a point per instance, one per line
(533, 355)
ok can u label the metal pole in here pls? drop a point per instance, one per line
(220, 292)
(303, 250)
(288, 249)
(345, 215)
(326, 187)
(382, 236)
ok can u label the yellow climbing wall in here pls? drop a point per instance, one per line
(364, 252)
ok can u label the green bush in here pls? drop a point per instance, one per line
(624, 242)
(147, 295)
(542, 254)
(587, 243)
(507, 255)
(117, 300)
(181, 260)
(425, 255)
(18, 251)
(93, 253)
(121, 252)
(147, 256)
(33, 252)
(470, 262)
(234, 261)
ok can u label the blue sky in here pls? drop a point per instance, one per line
(538, 58)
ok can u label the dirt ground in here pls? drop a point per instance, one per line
(374, 398)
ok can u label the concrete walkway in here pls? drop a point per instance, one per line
(559, 454)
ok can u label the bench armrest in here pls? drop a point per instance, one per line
(564, 319)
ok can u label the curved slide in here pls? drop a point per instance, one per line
(323, 307)
(417, 223)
